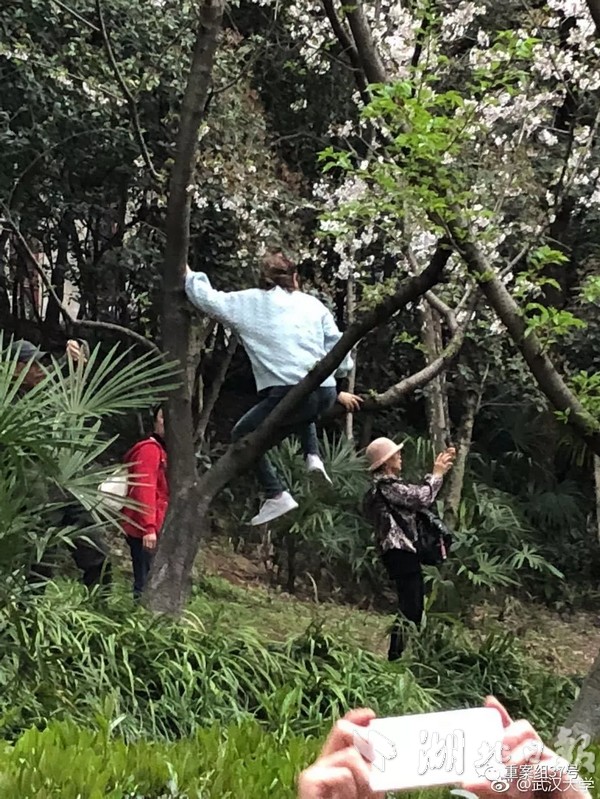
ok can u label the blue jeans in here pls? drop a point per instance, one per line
(141, 560)
(301, 423)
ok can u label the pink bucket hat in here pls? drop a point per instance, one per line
(380, 451)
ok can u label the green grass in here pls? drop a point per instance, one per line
(132, 706)
(274, 616)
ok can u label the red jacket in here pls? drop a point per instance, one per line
(147, 463)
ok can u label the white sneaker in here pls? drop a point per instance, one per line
(315, 465)
(274, 508)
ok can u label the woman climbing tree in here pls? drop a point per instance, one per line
(285, 333)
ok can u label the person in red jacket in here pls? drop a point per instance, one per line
(147, 465)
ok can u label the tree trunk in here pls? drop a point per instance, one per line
(350, 308)
(594, 8)
(6, 322)
(436, 391)
(53, 312)
(200, 332)
(597, 485)
(585, 713)
(456, 478)
(215, 389)
(169, 581)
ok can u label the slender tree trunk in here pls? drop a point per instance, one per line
(6, 321)
(436, 391)
(350, 309)
(456, 478)
(53, 313)
(594, 8)
(200, 332)
(585, 713)
(215, 389)
(597, 485)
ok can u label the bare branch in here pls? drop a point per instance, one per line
(215, 388)
(436, 302)
(419, 379)
(511, 264)
(69, 319)
(131, 104)
(348, 47)
(76, 15)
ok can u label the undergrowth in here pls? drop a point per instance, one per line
(66, 658)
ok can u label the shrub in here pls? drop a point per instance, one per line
(63, 658)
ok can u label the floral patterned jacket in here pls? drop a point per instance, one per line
(405, 498)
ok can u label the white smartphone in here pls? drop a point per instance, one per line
(422, 751)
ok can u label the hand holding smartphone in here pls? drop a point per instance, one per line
(432, 749)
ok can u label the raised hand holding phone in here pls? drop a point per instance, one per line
(444, 462)
(433, 749)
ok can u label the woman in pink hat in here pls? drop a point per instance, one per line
(390, 506)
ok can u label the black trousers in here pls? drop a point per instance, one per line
(141, 560)
(91, 557)
(405, 570)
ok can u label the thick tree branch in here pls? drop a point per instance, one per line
(365, 46)
(129, 99)
(348, 47)
(69, 319)
(501, 301)
(594, 9)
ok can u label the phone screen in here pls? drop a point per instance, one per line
(447, 748)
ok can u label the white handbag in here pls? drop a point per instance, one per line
(115, 488)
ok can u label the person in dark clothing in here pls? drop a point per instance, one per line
(89, 550)
(390, 505)
(148, 488)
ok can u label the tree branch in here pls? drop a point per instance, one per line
(129, 99)
(501, 301)
(445, 310)
(594, 9)
(365, 46)
(215, 388)
(348, 48)
(69, 319)
(420, 379)
(76, 15)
